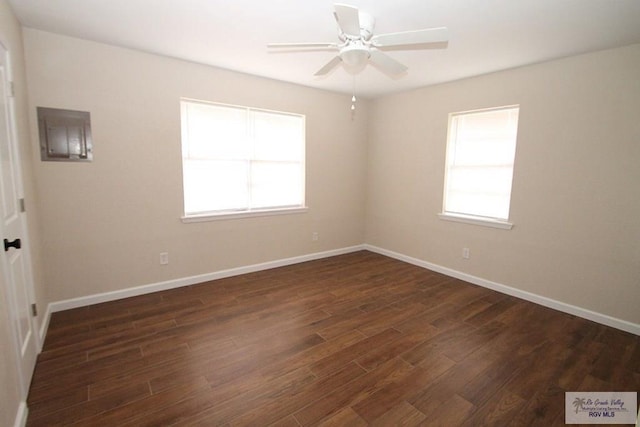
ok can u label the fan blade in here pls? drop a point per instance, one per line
(329, 66)
(386, 63)
(348, 19)
(302, 45)
(430, 35)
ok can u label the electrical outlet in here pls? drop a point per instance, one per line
(465, 253)
(164, 258)
(314, 236)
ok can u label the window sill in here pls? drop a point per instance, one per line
(475, 220)
(237, 215)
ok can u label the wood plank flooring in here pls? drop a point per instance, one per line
(354, 340)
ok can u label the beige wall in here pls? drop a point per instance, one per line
(574, 205)
(575, 200)
(11, 38)
(104, 223)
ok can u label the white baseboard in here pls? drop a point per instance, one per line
(21, 415)
(192, 280)
(623, 325)
(185, 281)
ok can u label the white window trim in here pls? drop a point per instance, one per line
(476, 220)
(503, 224)
(244, 214)
(223, 215)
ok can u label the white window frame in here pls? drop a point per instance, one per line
(249, 212)
(466, 217)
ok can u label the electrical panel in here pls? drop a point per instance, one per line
(65, 135)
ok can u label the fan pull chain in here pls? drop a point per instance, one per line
(353, 98)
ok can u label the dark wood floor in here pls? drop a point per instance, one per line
(354, 340)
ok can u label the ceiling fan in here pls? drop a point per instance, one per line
(358, 45)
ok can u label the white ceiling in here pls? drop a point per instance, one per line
(484, 35)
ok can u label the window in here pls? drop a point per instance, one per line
(239, 161)
(479, 168)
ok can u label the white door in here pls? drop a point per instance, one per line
(15, 260)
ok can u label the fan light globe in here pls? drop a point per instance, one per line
(355, 58)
